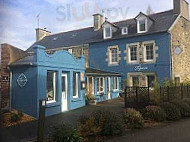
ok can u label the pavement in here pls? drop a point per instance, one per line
(170, 132)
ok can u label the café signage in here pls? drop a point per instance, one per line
(140, 68)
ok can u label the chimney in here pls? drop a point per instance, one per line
(98, 21)
(41, 33)
(181, 7)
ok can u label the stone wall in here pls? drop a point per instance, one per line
(9, 54)
(180, 49)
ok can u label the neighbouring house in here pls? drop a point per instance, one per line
(9, 54)
(143, 49)
(59, 78)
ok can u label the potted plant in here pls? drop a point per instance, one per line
(91, 99)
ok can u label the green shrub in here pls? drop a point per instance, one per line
(65, 133)
(183, 107)
(112, 123)
(14, 117)
(154, 113)
(100, 123)
(133, 119)
(172, 112)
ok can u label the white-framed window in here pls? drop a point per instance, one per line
(133, 57)
(124, 31)
(100, 85)
(115, 83)
(90, 85)
(113, 55)
(51, 88)
(76, 79)
(149, 52)
(70, 50)
(142, 25)
(107, 32)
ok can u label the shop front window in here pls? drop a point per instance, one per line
(76, 78)
(51, 86)
(100, 85)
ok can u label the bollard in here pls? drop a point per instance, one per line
(41, 120)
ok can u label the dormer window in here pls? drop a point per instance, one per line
(142, 25)
(107, 32)
(124, 31)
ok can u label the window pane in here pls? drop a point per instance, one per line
(142, 25)
(51, 86)
(135, 80)
(114, 55)
(133, 53)
(100, 84)
(115, 83)
(107, 30)
(151, 79)
(75, 84)
(149, 52)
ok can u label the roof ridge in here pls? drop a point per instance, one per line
(147, 15)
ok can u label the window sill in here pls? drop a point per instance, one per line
(113, 64)
(48, 105)
(76, 100)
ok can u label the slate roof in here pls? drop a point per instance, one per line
(162, 23)
(98, 72)
(25, 61)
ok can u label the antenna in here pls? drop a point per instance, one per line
(38, 20)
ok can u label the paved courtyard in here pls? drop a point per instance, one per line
(28, 130)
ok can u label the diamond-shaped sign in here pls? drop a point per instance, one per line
(22, 80)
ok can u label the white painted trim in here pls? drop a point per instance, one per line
(54, 88)
(122, 31)
(129, 53)
(110, 55)
(117, 87)
(146, 25)
(109, 87)
(104, 33)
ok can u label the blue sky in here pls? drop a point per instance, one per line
(18, 17)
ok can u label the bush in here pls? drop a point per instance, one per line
(187, 100)
(14, 117)
(65, 133)
(172, 112)
(100, 123)
(183, 107)
(112, 123)
(154, 113)
(133, 119)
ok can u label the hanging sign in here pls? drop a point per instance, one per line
(22, 80)
(140, 68)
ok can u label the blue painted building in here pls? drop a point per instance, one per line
(57, 78)
(142, 71)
